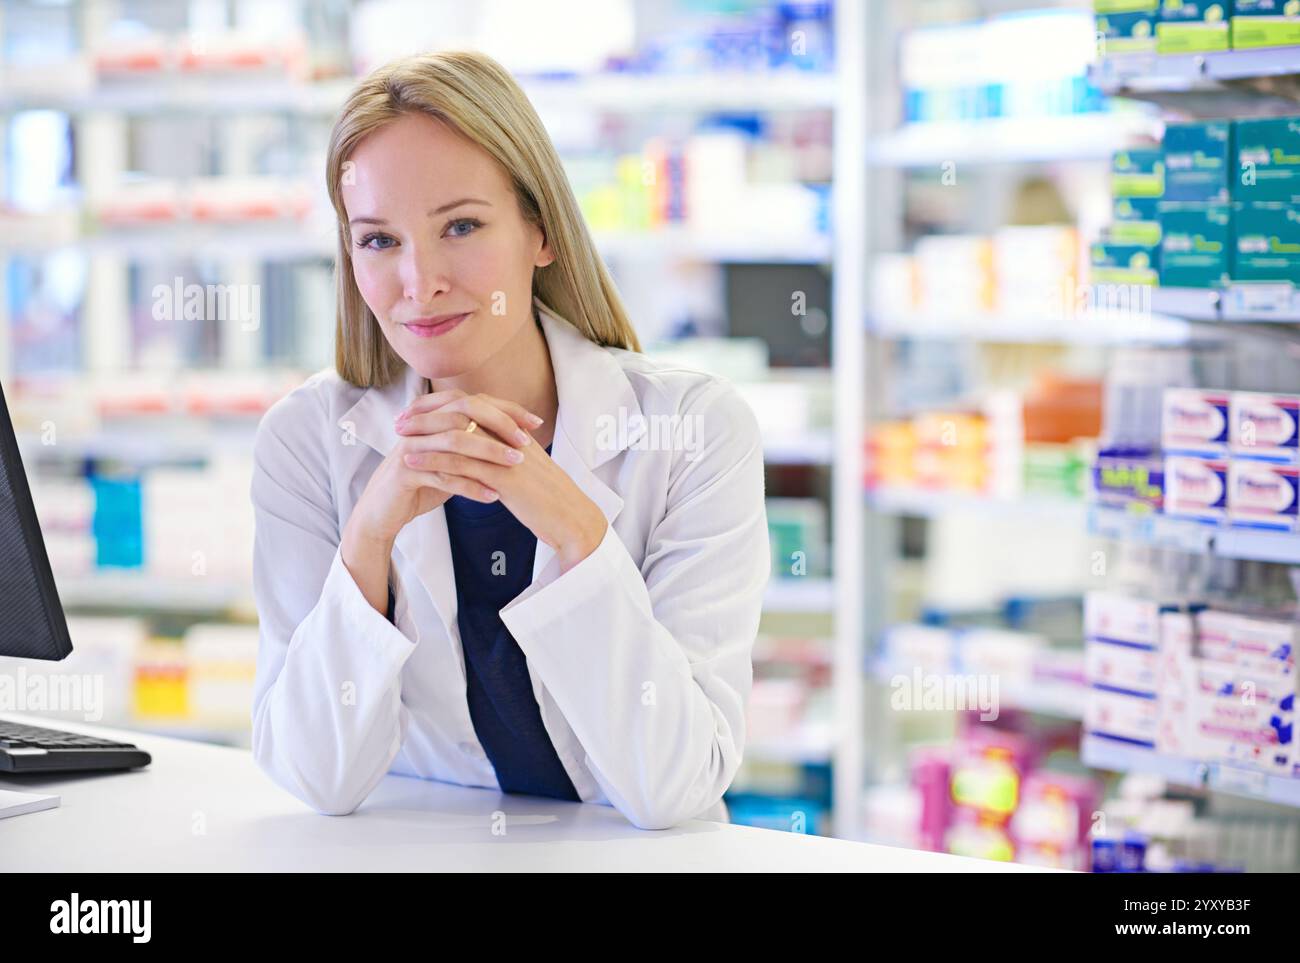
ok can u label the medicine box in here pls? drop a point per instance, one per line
(1265, 426)
(1265, 23)
(1263, 495)
(1193, 26)
(1195, 245)
(1267, 160)
(1266, 243)
(1198, 161)
(1194, 421)
(1125, 26)
(1196, 488)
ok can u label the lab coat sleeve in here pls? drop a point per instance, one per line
(327, 713)
(651, 664)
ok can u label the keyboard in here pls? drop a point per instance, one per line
(27, 748)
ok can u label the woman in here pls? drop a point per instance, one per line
(498, 546)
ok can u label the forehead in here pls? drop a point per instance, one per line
(419, 160)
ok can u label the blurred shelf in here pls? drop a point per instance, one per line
(1218, 777)
(809, 744)
(134, 591)
(1258, 303)
(1188, 535)
(814, 448)
(927, 504)
(1048, 699)
(806, 594)
(682, 243)
(289, 241)
(776, 90)
(624, 93)
(1152, 72)
(1092, 136)
(1103, 328)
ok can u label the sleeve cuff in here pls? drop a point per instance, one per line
(554, 596)
(382, 638)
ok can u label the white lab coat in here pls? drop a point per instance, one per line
(639, 656)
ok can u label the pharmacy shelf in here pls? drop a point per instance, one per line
(817, 447)
(814, 595)
(1068, 137)
(1188, 535)
(1152, 72)
(1106, 754)
(1258, 303)
(623, 93)
(930, 504)
(1101, 328)
(133, 591)
(808, 744)
(290, 241)
(1049, 699)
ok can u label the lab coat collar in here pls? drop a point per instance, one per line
(596, 405)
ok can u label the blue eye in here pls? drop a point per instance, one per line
(473, 224)
(365, 241)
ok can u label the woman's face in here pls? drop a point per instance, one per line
(437, 233)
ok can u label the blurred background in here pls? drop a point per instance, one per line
(942, 247)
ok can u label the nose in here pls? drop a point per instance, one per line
(423, 274)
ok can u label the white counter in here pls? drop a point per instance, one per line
(209, 808)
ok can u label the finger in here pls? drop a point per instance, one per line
(432, 423)
(456, 485)
(489, 416)
(452, 463)
(517, 412)
(478, 444)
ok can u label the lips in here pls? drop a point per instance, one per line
(428, 328)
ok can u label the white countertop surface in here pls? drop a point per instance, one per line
(201, 807)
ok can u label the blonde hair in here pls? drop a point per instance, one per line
(481, 101)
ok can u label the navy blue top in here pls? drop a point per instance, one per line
(492, 553)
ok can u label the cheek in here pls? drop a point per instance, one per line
(375, 284)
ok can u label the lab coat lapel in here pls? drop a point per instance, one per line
(595, 399)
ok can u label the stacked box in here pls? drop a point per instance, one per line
(1266, 243)
(1265, 426)
(1193, 26)
(1198, 158)
(1120, 642)
(1246, 691)
(1138, 173)
(1126, 26)
(1136, 221)
(1129, 479)
(1265, 23)
(1195, 245)
(1125, 263)
(1266, 165)
(1195, 421)
(1263, 494)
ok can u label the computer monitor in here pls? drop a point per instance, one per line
(32, 625)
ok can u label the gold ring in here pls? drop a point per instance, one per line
(471, 426)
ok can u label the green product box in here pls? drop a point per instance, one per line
(1266, 168)
(1265, 23)
(1267, 243)
(1193, 26)
(1195, 245)
(1126, 32)
(1198, 162)
(1136, 221)
(1138, 173)
(1124, 263)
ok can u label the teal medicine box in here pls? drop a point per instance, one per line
(1198, 162)
(1267, 164)
(1195, 245)
(1266, 243)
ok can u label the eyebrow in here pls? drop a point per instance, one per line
(431, 213)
